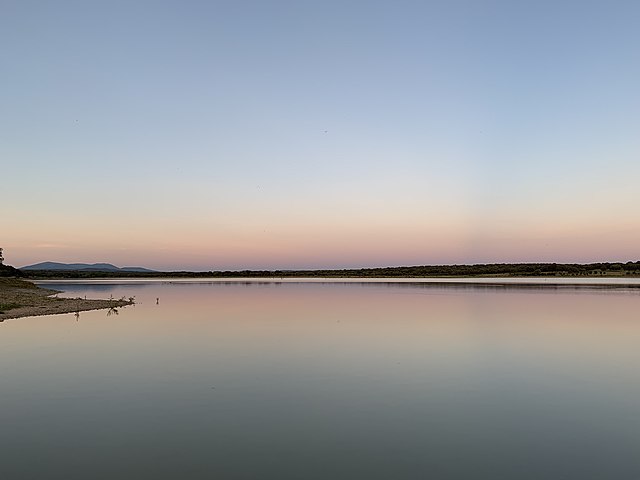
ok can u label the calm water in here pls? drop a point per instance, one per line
(326, 381)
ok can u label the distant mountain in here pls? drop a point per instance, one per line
(92, 267)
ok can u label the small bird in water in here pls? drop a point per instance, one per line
(157, 301)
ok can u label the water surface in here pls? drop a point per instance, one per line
(325, 380)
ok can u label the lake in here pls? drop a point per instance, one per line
(338, 380)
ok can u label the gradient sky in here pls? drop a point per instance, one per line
(296, 134)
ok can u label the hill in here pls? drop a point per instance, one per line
(84, 267)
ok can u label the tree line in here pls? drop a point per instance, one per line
(474, 270)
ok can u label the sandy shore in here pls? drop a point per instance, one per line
(19, 298)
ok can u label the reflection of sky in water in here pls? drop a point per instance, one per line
(327, 381)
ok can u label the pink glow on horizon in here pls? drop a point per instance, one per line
(374, 247)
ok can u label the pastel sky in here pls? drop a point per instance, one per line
(305, 134)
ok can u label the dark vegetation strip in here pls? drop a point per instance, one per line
(477, 270)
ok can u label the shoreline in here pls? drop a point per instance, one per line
(20, 298)
(631, 282)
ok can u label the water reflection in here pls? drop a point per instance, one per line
(319, 380)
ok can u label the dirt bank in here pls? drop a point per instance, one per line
(19, 298)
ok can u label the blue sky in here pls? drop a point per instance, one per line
(311, 134)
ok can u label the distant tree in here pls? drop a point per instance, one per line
(7, 270)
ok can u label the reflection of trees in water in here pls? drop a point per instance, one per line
(67, 287)
(491, 286)
(112, 311)
(76, 288)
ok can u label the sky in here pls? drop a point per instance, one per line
(215, 135)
